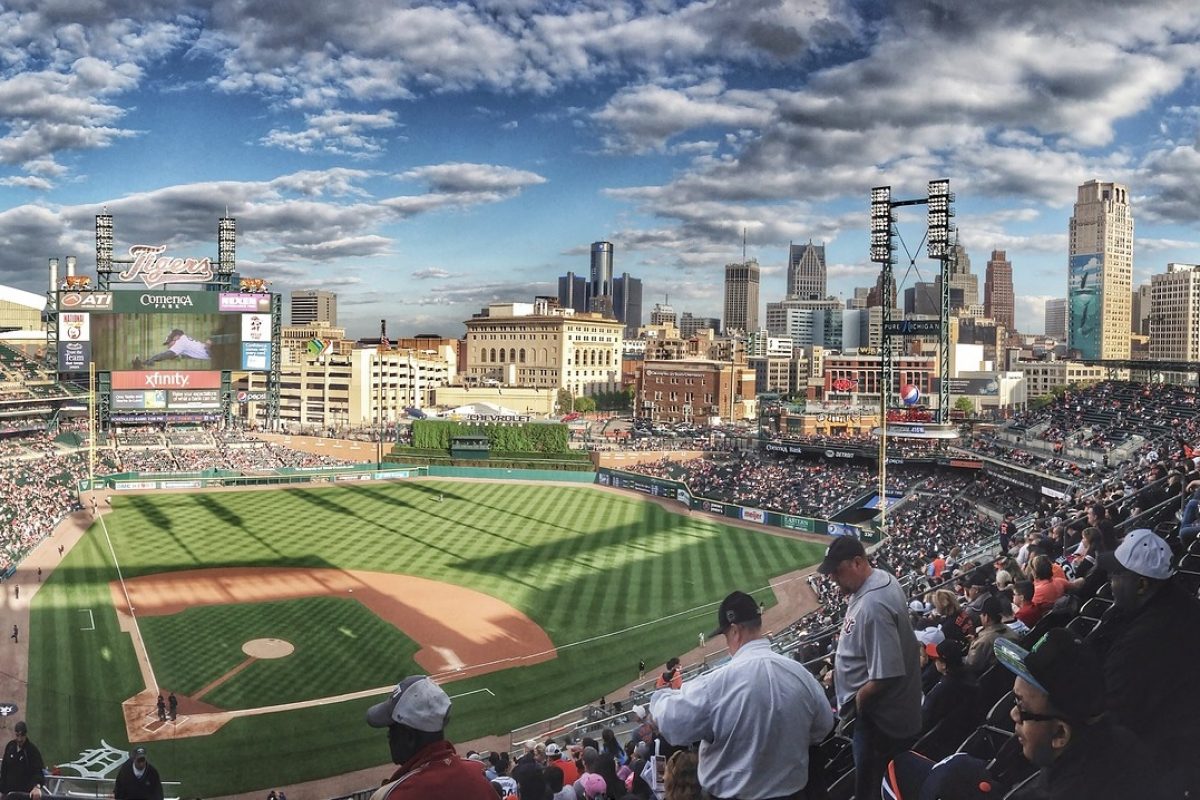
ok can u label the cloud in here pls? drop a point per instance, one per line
(1030, 312)
(430, 273)
(336, 132)
(460, 185)
(27, 181)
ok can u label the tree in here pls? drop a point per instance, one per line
(965, 405)
(585, 405)
(565, 401)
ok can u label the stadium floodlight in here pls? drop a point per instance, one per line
(940, 208)
(881, 225)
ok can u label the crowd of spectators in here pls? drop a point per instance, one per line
(1104, 414)
(790, 485)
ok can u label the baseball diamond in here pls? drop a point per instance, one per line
(537, 594)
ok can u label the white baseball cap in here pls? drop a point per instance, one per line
(1142, 552)
(417, 702)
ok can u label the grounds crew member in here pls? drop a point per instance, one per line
(138, 779)
(416, 716)
(22, 767)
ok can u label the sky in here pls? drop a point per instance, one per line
(425, 159)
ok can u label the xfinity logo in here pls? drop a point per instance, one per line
(166, 300)
(174, 380)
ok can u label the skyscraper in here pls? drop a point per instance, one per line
(964, 286)
(627, 303)
(664, 314)
(1100, 272)
(1139, 315)
(998, 300)
(741, 296)
(1056, 318)
(806, 275)
(1175, 314)
(602, 276)
(573, 292)
(313, 305)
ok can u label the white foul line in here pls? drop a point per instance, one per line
(91, 619)
(473, 691)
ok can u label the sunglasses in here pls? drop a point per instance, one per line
(1028, 716)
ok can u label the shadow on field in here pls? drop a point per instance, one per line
(232, 518)
(383, 497)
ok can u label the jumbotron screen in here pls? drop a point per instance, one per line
(153, 330)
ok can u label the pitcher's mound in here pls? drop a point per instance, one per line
(268, 648)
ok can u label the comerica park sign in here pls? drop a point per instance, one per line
(154, 270)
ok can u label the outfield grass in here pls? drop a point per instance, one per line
(578, 561)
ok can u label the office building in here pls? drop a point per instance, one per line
(601, 296)
(964, 285)
(664, 314)
(741, 296)
(923, 299)
(573, 292)
(627, 303)
(533, 344)
(313, 305)
(1100, 272)
(1056, 319)
(1139, 312)
(806, 275)
(689, 325)
(1174, 315)
(998, 299)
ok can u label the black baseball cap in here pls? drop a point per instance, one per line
(1061, 666)
(737, 608)
(842, 548)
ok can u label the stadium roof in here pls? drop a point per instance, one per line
(9, 294)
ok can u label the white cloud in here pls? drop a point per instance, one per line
(337, 132)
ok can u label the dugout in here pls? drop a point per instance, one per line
(470, 447)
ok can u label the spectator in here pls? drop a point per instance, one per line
(1150, 646)
(559, 790)
(415, 716)
(754, 718)
(992, 627)
(138, 779)
(672, 676)
(877, 671)
(1061, 725)
(1024, 609)
(951, 705)
(1047, 587)
(22, 767)
(955, 622)
(682, 780)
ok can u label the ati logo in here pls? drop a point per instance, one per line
(96, 300)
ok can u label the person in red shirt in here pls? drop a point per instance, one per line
(1047, 587)
(415, 716)
(1025, 610)
(671, 677)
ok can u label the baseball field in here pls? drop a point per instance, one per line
(276, 617)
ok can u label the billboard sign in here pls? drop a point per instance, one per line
(233, 301)
(74, 356)
(166, 379)
(191, 331)
(86, 301)
(1085, 296)
(153, 269)
(754, 515)
(797, 523)
(73, 326)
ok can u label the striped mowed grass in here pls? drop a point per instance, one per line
(612, 579)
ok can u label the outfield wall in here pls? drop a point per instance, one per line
(212, 479)
(674, 490)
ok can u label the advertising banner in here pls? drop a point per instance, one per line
(754, 515)
(251, 397)
(682, 496)
(73, 326)
(797, 523)
(716, 508)
(256, 356)
(256, 327)
(86, 301)
(166, 379)
(1085, 297)
(234, 301)
(74, 356)
(194, 398)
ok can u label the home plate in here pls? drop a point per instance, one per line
(449, 658)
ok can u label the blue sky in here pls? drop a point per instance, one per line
(423, 160)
